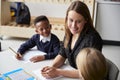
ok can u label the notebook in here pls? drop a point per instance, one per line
(18, 74)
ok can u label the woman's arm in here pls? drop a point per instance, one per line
(68, 73)
(52, 72)
(58, 61)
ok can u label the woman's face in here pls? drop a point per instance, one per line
(75, 22)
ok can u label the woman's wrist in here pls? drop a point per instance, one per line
(59, 72)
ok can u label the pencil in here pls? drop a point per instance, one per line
(12, 50)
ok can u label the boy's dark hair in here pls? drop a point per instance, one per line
(40, 18)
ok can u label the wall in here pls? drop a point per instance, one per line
(49, 9)
(53, 8)
(108, 20)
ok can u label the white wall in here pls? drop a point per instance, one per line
(108, 20)
(49, 9)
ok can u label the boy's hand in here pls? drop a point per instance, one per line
(37, 58)
(18, 56)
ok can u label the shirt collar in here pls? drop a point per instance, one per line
(44, 39)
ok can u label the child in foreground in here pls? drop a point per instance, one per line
(91, 64)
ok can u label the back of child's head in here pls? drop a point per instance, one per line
(92, 64)
(40, 18)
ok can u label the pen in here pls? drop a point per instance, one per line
(12, 50)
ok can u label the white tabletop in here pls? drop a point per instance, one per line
(9, 63)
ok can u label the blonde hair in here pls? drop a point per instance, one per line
(91, 64)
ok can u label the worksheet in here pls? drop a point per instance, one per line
(40, 77)
(37, 72)
(18, 74)
(29, 54)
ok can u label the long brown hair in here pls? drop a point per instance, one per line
(83, 10)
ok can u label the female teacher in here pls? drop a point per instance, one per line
(79, 33)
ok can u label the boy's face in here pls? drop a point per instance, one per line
(43, 28)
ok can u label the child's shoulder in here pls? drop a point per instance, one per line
(54, 37)
(36, 36)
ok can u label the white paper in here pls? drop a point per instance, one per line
(40, 77)
(29, 54)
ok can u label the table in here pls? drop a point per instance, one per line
(8, 63)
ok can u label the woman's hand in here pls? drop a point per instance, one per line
(50, 72)
(37, 58)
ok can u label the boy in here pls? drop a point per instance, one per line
(44, 40)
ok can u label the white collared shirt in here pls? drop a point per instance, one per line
(44, 39)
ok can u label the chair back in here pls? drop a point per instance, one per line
(113, 71)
